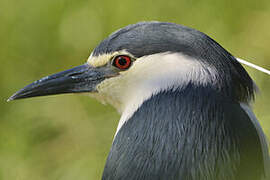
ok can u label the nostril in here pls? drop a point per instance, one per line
(74, 74)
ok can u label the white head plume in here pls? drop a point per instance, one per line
(259, 68)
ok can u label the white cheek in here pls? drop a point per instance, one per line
(150, 75)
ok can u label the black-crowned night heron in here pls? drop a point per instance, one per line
(184, 104)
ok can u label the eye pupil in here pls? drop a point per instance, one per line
(122, 61)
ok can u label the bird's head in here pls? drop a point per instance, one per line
(140, 60)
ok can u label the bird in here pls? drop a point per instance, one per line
(185, 105)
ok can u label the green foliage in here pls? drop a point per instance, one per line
(68, 137)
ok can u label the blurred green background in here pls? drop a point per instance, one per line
(68, 137)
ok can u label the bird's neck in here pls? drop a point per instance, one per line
(177, 135)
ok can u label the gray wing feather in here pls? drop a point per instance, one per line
(263, 138)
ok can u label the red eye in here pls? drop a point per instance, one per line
(122, 62)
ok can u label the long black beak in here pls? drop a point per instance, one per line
(82, 78)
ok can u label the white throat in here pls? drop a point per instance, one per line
(149, 75)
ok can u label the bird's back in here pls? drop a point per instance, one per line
(190, 134)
